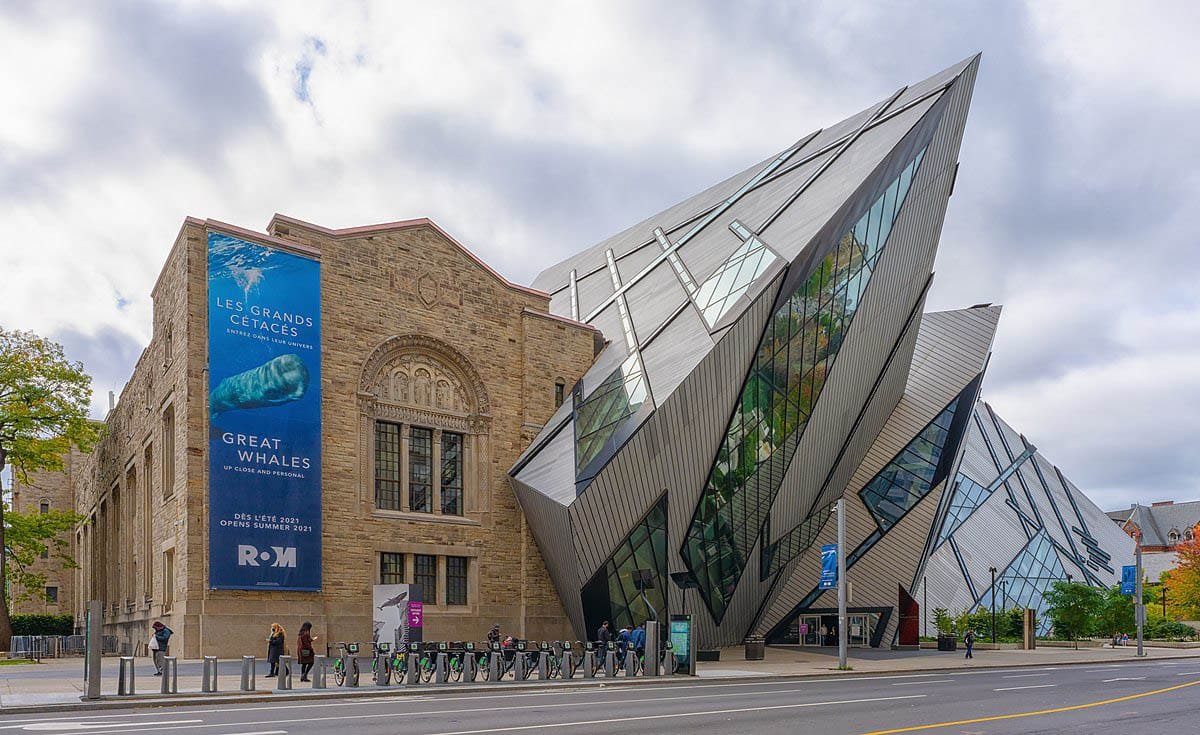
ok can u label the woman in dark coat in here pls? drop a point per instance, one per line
(275, 648)
(304, 649)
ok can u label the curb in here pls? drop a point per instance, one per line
(149, 701)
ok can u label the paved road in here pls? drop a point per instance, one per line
(850, 705)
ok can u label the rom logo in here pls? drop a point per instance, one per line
(276, 556)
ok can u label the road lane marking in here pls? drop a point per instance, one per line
(1021, 676)
(86, 726)
(156, 726)
(1017, 715)
(641, 718)
(1031, 686)
(1123, 678)
(1188, 673)
(910, 683)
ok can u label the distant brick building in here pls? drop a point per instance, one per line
(1162, 526)
(420, 342)
(46, 491)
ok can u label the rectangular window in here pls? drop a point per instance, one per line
(420, 470)
(559, 389)
(168, 596)
(452, 465)
(51, 594)
(425, 574)
(147, 520)
(387, 466)
(168, 454)
(391, 568)
(456, 580)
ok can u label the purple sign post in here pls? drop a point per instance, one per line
(416, 617)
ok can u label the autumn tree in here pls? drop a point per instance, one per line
(1183, 582)
(44, 401)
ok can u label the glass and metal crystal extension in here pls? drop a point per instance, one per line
(732, 279)
(612, 593)
(1027, 579)
(776, 556)
(968, 495)
(909, 477)
(793, 360)
(599, 415)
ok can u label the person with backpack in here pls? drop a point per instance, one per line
(159, 645)
(969, 639)
(603, 635)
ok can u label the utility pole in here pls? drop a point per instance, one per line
(1164, 601)
(993, 571)
(1139, 608)
(841, 572)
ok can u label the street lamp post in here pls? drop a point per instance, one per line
(1164, 601)
(841, 583)
(993, 571)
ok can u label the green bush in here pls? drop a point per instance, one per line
(1168, 630)
(43, 624)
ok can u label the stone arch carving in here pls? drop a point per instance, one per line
(412, 362)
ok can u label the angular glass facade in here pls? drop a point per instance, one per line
(733, 278)
(611, 593)
(968, 495)
(794, 357)
(1027, 579)
(777, 555)
(599, 415)
(909, 476)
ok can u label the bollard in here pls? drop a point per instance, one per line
(543, 664)
(125, 682)
(412, 662)
(285, 673)
(249, 674)
(320, 665)
(631, 661)
(470, 665)
(589, 662)
(440, 667)
(494, 667)
(520, 666)
(566, 659)
(170, 676)
(610, 662)
(208, 682)
(381, 670)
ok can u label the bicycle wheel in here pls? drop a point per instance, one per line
(339, 672)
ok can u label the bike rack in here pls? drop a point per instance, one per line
(249, 675)
(382, 672)
(125, 686)
(208, 680)
(170, 676)
(470, 665)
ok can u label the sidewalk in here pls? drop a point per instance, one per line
(58, 684)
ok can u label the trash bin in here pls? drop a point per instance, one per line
(754, 648)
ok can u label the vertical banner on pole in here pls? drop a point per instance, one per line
(829, 553)
(1129, 579)
(264, 416)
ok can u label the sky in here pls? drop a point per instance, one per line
(531, 130)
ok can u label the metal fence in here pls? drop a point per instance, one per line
(37, 647)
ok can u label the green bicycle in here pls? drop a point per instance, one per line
(340, 667)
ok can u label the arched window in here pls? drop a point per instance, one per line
(1173, 537)
(1189, 535)
(425, 428)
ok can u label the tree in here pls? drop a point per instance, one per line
(27, 536)
(1183, 582)
(1073, 608)
(44, 401)
(1115, 613)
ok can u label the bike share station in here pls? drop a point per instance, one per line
(408, 661)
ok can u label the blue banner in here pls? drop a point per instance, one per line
(829, 554)
(1129, 579)
(264, 402)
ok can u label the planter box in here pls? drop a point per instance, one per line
(947, 643)
(713, 655)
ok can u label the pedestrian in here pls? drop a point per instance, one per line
(159, 644)
(623, 638)
(603, 635)
(638, 639)
(824, 635)
(969, 639)
(304, 649)
(493, 635)
(275, 647)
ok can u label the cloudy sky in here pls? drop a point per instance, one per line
(532, 130)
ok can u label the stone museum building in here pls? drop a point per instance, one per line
(323, 411)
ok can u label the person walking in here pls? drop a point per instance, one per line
(160, 641)
(637, 639)
(603, 635)
(305, 654)
(969, 639)
(275, 645)
(493, 635)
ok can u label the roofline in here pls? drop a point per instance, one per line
(405, 225)
(558, 318)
